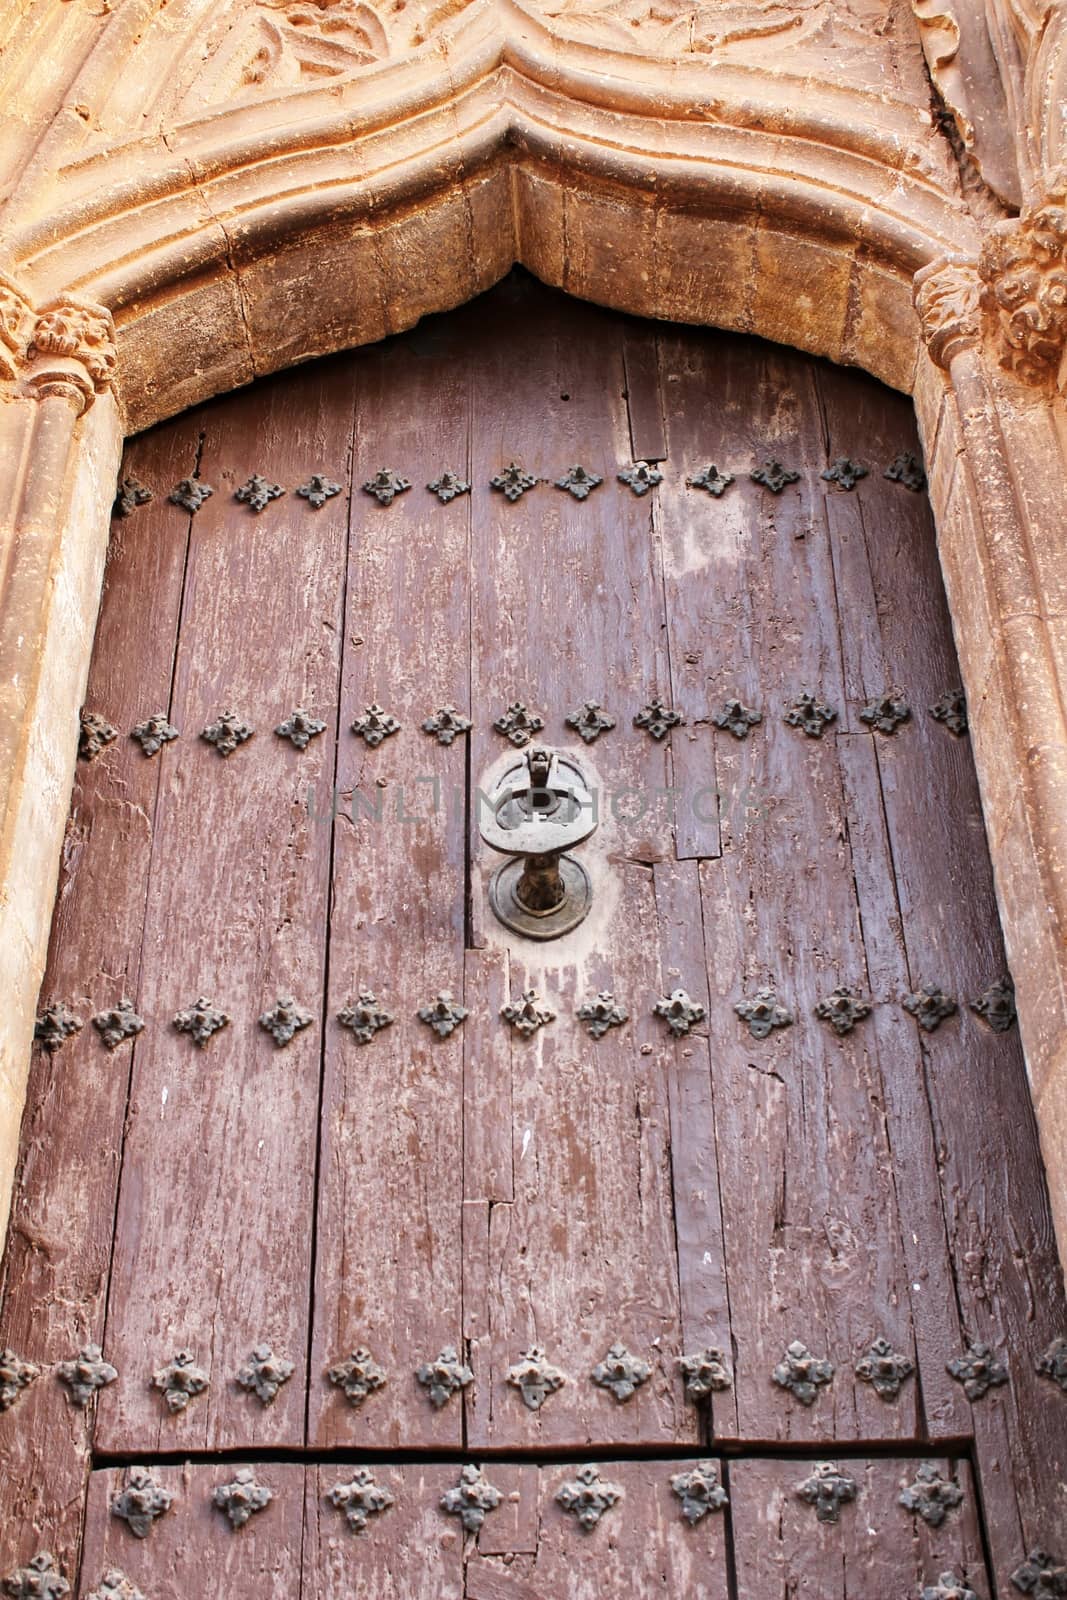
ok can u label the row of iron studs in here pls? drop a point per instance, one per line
(512, 481)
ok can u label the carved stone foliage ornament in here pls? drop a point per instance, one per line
(472, 1499)
(85, 1374)
(679, 1012)
(375, 725)
(621, 1373)
(130, 494)
(827, 1489)
(906, 469)
(258, 493)
(227, 732)
(40, 1580)
(931, 1496)
(153, 733)
(951, 710)
(447, 485)
(242, 1498)
(885, 1369)
(578, 481)
(774, 476)
(705, 1373)
(737, 718)
(979, 1370)
(443, 1015)
(640, 477)
(264, 1373)
(284, 1020)
(587, 1496)
(142, 1502)
(443, 1378)
(948, 300)
(700, 1491)
(94, 734)
(300, 727)
(527, 1013)
(658, 719)
(763, 1012)
(363, 1017)
(360, 1498)
(1024, 265)
(929, 1006)
(115, 1585)
(15, 1376)
(845, 473)
(948, 1587)
(601, 1012)
(590, 721)
(190, 494)
(357, 1376)
(1053, 1363)
(1041, 1575)
(810, 714)
(996, 1005)
(534, 1376)
(318, 490)
(802, 1373)
(518, 725)
(446, 724)
(118, 1024)
(710, 478)
(842, 1009)
(180, 1381)
(84, 333)
(55, 1024)
(887, 712)
(386, 485)
(512, 481)
(201, 1020)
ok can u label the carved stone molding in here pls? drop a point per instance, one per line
(948, 298)
(1024, 269)
(65, 348)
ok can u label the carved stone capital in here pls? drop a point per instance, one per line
(948, 298)
(71, 352)
(1023, 268)
(16, 321)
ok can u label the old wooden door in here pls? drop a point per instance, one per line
(750, 1290)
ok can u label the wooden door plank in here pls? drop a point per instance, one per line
(876, 1547)
(59, 1243)
(192, 1549)
(212, 1247)
(410, 1551)
(388, 1267)
(644, 397)
(1008, 1277)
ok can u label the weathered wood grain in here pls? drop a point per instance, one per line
(411, 1551)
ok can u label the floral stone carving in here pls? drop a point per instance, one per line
(737, 718)
(589, 721)
(142, 1502)
(15, 1376)
(284, 1020)
(600, 1012)
(1053, 1363)
(679, 1012)
(951, 709)
(360, 1498)
(443, 1015)
(357, 1376)
(153, 733)
(83, 333)
(444, 1377)
(364, 1018)
(446, 724)
(640, 477)
(710, 478)
(658, 719)
(447, 486)
(190, 494)
(201, 1020)
(996, 1006)
(318, 490)
(527, 1014)
(264, 1373)
(885, 1369)
(579, 481)
(1024, 265)
(130, 494)
(929, 1006)
(180, 1381)
(802, 1373)
(55, 1024)
(386, 485)
(40, 1580)
(705, 1373)
(812, 715)
(827, 1489)
(227, 732)
(535, 1377)
(931, 1496)
(375, 725)
(948, 298)
(518, 725)
(300, 727)
(242, 1498)
(621, 1372)
(257, 493)
(512, 481)
(979, 1370)
(85, 1374)
(118, 1024)
(94, 734)
(845, 473)
(906, 469)
(587, 1496)
(115, 1585)
(773, 476)
(843, 1009)
(700, 1491)
(887, 712)
(1041, 1575)
(763, 1013)
(948, 1587)
(472, 1499)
